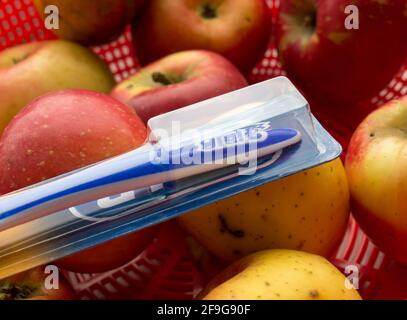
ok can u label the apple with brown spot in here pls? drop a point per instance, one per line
(308, 211)
(63, 131)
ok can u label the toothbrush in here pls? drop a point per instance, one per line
(152, 164)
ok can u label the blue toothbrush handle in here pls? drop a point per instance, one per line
(146, 166)
(98, 181)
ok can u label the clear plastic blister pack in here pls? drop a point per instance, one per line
(41, 239)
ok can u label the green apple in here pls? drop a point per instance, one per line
(31, 70)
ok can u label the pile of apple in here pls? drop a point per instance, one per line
(60, 110)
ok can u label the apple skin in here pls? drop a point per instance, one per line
(91, 22)
(63, 131)
(280, 275)
(183, 78)
(34, 279)
(31, 70)
(239, 30)
(308, 211)
(337, 66)
(377, 175)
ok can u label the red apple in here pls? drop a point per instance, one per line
(333, 64)
(91, 22)
(239, 30)
(30, 285)
(177, 81)
(377, 173)
(64, 131)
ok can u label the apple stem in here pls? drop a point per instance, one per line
(18, 60)
(208, 12)
(161, 78)
(310, 21)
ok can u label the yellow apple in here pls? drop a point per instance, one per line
(281, 275)
(31, 70)
(377, 172)
(308, 211)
